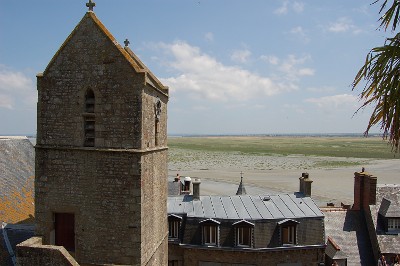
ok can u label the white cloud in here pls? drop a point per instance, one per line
(209, 36)
(240, 56)
(335, 101)
(343, 24)
(6, 101)
(290, 66)
(297, 7)
(321, 89)
(299, 33)
(272, 59)
(15, 86)
(283, 9)
(200, 108)
(201, 75)
(294, 107)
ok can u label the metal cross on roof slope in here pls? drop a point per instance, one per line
(90, 5)
(126, 42)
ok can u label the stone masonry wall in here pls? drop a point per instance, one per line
(154, 230)
(188, 256)
(103, 190)
(90, 60)
(32, 253)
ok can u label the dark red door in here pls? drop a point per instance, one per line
(65, 230)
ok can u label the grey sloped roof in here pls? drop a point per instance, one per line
(17, 166)
(10, 236)
(349, 231)
(387, 198)
(245, 207)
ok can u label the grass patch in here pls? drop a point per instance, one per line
(352, 147)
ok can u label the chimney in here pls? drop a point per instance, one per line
(196, 189)
(305, 184)
(364, 190)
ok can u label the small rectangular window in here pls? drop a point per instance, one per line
(89, 132)
(243, 236)
(288, 234)
(173, 231)
(210, 234)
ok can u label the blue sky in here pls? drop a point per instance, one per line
(238, 67)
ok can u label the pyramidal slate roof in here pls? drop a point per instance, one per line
(241, 189)
(17, 163)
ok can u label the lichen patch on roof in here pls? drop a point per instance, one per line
(16, 180)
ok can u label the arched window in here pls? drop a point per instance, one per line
(89, 118)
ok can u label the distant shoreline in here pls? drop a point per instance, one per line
(317, 135)
(371, 135)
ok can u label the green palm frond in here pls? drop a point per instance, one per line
(381, 72)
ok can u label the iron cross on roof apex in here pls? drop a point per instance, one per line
(126, 42)
(90, 5)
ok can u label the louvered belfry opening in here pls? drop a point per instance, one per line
(89, 118)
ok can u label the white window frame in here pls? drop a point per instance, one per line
(291, 236)
(240, 236)
(210, 234)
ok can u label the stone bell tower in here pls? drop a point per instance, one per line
(101, 153)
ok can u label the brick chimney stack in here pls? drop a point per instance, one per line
(305, 184)
(364, 190)
(196, 189)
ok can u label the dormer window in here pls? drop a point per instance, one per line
(174, 222)
(210, 232)
(288, 231)
(243, 233)
(390, 216)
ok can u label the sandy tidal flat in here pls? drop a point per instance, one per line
(265, 174)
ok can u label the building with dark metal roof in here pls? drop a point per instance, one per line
(244, 229)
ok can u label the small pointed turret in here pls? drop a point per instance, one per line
(241, 189)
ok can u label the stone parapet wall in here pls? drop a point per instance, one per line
(32, 253)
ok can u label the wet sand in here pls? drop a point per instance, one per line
(220, 174)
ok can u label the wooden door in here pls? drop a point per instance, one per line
(64, 225)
